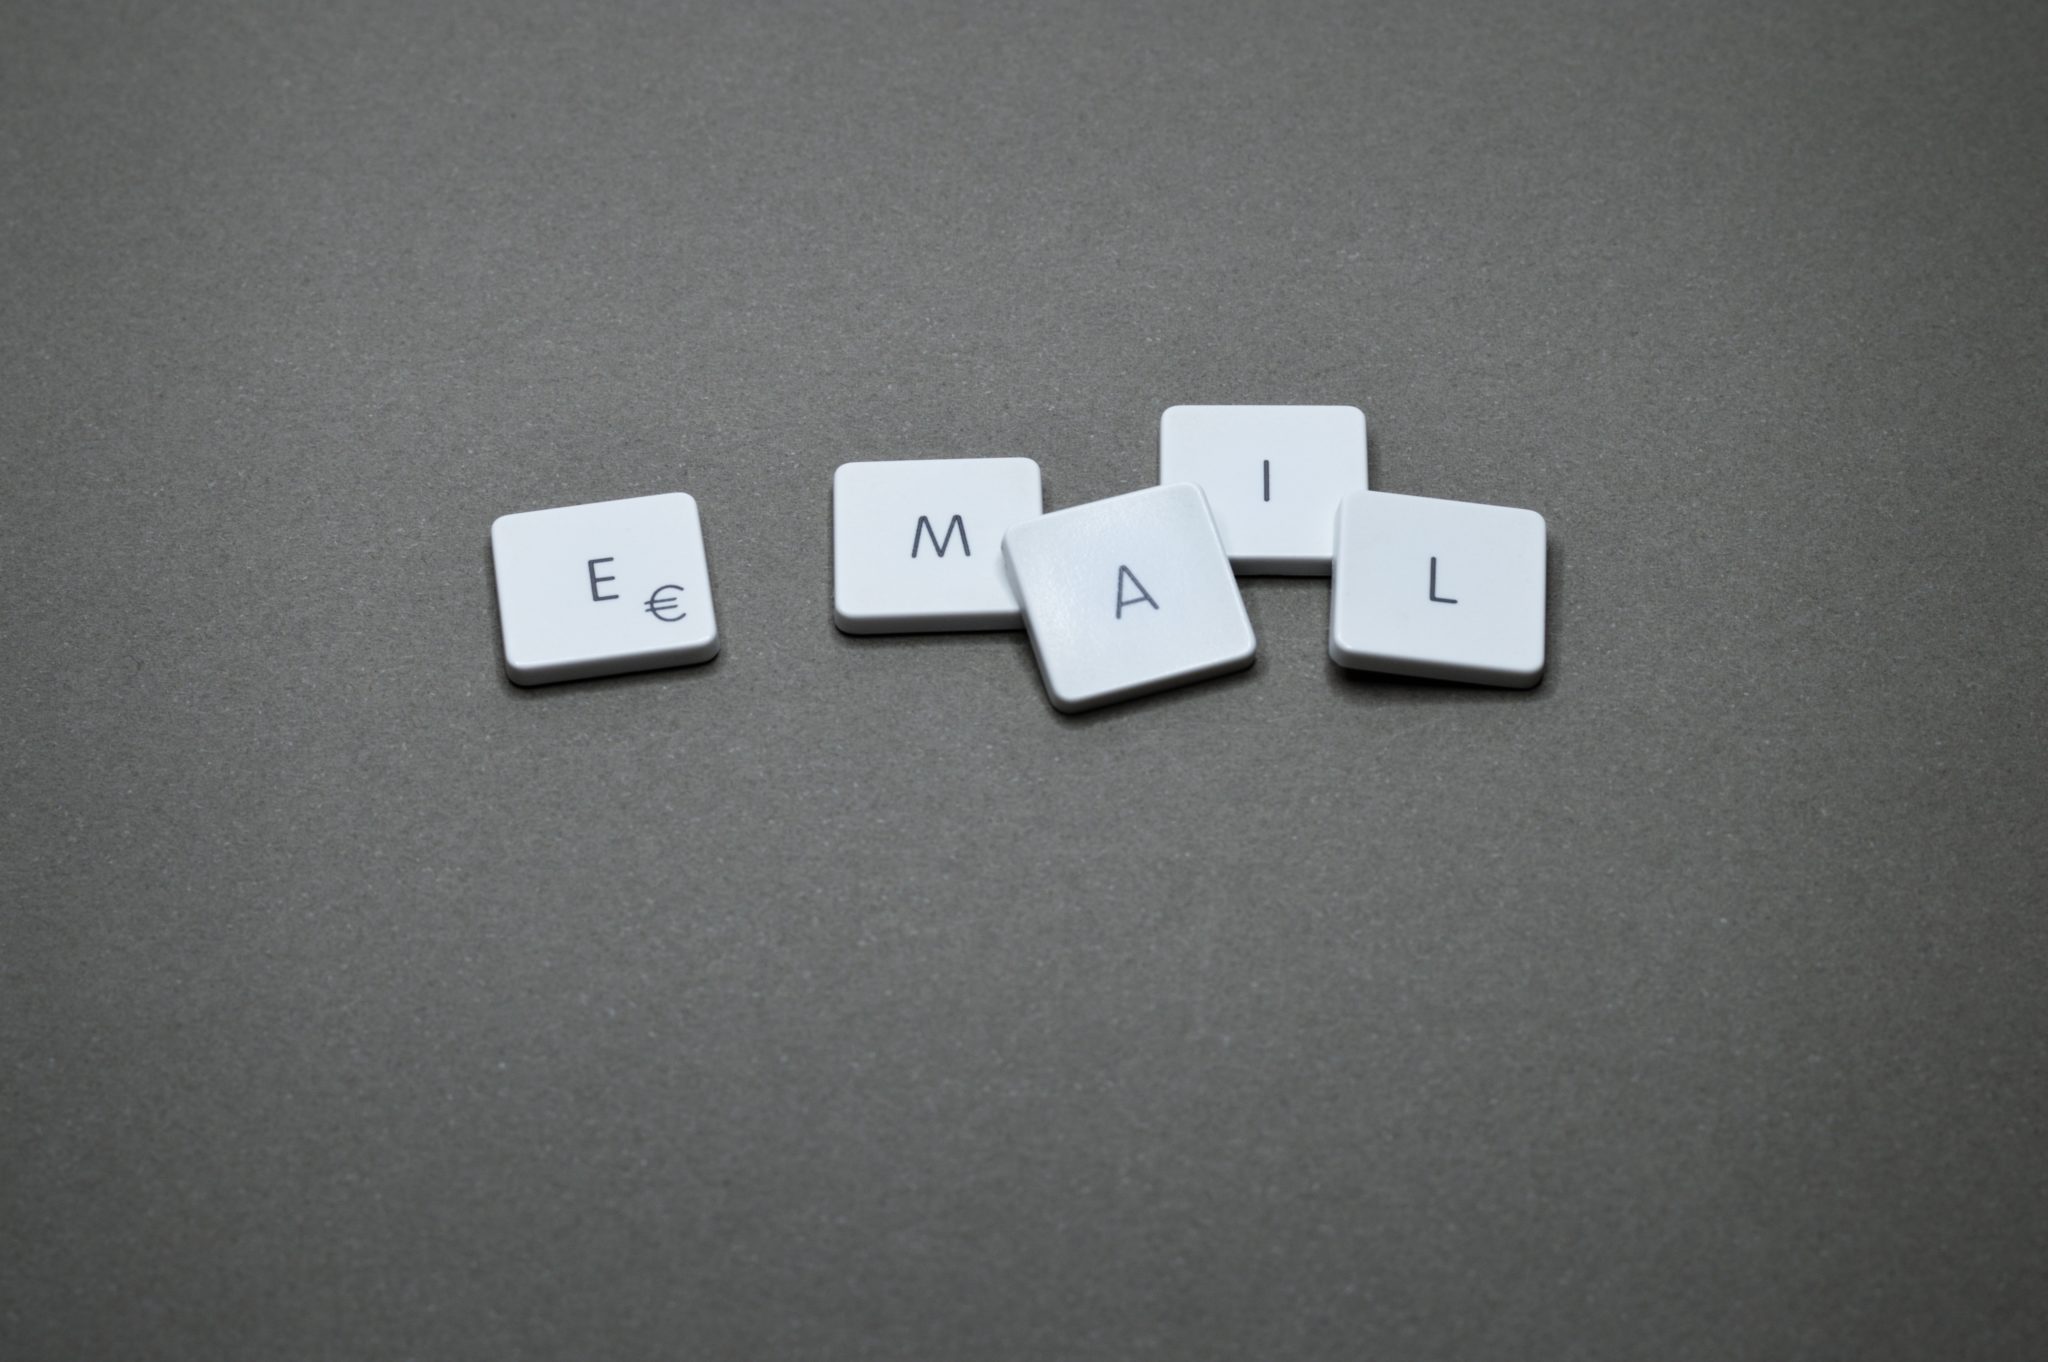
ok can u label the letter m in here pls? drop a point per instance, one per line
(924, 527)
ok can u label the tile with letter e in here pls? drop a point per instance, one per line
(1127, 596)
(615, 586)
(917, 543)
(1273, 476)
(1446, 589)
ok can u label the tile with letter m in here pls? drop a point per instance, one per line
(917, 543)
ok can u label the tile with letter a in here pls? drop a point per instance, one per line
(1127, 596)
(917, 543)
(615, 586)
(1447, 589)
(1273, 476)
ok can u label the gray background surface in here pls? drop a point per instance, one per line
(841, 999)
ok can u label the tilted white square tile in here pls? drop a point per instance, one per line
(613, 586)
(1127, 596)
(1446, 589)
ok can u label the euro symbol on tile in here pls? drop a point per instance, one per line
(661, 602)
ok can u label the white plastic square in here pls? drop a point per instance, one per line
(1127, 596)
(1273, 476)
(615, 586)
(1448, 589)
(917, 543)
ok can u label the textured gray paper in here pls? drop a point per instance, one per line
(839, 999)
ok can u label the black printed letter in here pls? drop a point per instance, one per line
(924, 527)
(1440, 600)
(591, 567)
(1123, 573)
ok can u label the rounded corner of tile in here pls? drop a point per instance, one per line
(525, 676)
(1527, 677)
(1349, 656)
(853, 622)
(1014, 536)
(1067, 704)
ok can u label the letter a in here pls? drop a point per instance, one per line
(1124, 574)
(924, 527)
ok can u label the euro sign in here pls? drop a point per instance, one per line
(664, 600)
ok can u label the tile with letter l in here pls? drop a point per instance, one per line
(614, 586)
(1127, 596)
(1273, 476)
(917, 543)
(1446, 589)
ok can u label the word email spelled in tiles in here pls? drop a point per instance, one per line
(1127, 596)
(917, 543)
(614, 586)
(1446, 589)
(1273, 476)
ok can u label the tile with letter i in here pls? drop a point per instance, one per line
(1273, 476)
(1446, 589)
(614, 586)
(917, 543)
(1127, 596)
